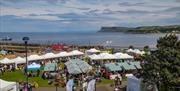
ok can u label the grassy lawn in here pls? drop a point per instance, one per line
(105, 81)
(19, 76)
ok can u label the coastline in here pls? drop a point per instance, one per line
(20, 46)
(132, 32)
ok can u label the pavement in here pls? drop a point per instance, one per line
(101, 88)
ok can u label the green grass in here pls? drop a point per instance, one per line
(105, 81)
(19, 76)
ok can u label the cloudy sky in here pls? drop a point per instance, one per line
(84, 15)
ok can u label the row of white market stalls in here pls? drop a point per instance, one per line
(114, 66)
(20, 60)
(51, 55)
(104, 56)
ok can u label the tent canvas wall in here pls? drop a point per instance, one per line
(133, 84)
(7, 86)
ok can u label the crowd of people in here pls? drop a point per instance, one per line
(5, 68)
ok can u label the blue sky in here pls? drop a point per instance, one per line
(84, 15)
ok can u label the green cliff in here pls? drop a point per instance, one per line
(143, 29)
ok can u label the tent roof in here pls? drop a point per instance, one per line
(113, 67)
(50, 67)
(93, 50)
(137, 65)
(34, 57)
(75, 52)
(95, 57)
(6, 61)
(19, 60)
(120, 55)
(107, 56)
(102, 56)
(62, 54)
(127, 66)
(73, 69)
(137, 51)
(77, 66)
(6, 85)
(48, 55)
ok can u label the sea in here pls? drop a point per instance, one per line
(86, 39)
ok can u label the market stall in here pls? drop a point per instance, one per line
(34, 69)
(50, 67)
(92, 51)
(77, 66)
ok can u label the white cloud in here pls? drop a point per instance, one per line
(43, 17)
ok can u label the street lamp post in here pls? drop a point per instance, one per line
(25, 39)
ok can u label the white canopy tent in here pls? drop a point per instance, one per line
(93, 50)
(120, 55)
(94, 57)
(19, 60)
(49, 55)
(34, 57)
(6, 61)
(7, 86)
(75, 53)
(137, 51)
(102, 56)
(63, 54)
(107, 56)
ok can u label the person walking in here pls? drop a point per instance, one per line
(119, 79)
(91, 85)
(70, 84)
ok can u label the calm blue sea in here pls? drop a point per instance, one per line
(117, 39)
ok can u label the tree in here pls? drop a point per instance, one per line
(162, 66)
(146, 49)
(131, 47)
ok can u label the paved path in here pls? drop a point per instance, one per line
(106, 87)
(100, 88)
